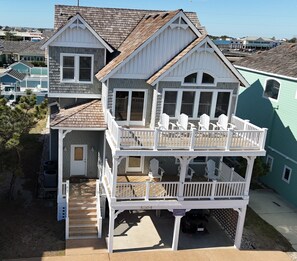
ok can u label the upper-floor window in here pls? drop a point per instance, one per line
(207, 79)
(77, 68)
(272, 89)
(191, 78)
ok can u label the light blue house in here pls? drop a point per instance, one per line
(271, 102)
(22, 67)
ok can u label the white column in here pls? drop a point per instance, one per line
(111, 229)
(60, 172)
(248, 174)
(239, 228)
(115, 161)
(184, 161)
(176, 232)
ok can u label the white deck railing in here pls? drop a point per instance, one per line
(67, 210)
(245, 136)
(228, 174)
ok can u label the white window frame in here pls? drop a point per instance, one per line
(76, 67)
(135, 169)
(264, 88)
(128, 121)
(199, 79)
(196, 101)
(271, 160)
(284, 171)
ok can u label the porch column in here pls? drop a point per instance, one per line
(111, 229)
(115, 163)
(176, 232)
(239, 227)
(248, 174)
(184, 162)
(60, 164)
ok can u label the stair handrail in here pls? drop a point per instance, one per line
(98, 209)
(67, 211)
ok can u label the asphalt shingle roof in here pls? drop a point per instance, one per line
(279, 60)
(87, 115)
(112, 24)
(15, 74)
(22, 47)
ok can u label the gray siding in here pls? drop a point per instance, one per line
(55, 86)
(131, 84)
(93, 139)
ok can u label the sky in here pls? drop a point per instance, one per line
(236, 18)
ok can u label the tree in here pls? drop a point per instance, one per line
(15, 122)
(293, 40)
(9, 36)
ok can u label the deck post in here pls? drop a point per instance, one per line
(248, 174)
(229, 139)
(60, 163)
(156, 138)
(115, 161)
(111, 230)
(239, 228)
(193, 135)
(184, 162)
(176, 232)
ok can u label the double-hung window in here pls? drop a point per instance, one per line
(77, 68)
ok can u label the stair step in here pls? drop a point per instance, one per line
(83, 202)
(83, 236)
(82, 219)
(90, 224)
(75, 231)
(81, 208)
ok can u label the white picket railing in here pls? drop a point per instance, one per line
(63, 189)
(108, 173)
(244, 136)
(98, 206)
(67, 210)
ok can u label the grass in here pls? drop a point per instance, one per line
(39, 127)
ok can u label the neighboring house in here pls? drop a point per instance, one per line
(116, 76)
(271, 102)
(258, 43)
(22, 67)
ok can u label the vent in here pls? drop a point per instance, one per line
(164, 15)
(155, 16)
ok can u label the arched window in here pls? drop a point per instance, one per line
(207, 78)
(272, 89)
(191, 78)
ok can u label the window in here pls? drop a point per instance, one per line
(269, 162)
(287, 174)
(130, 107)
(76, 68)
(170, 103)
(222, 104)
(199, 160)
(207, 79)
(188, 103)
(191, 78)
(272, 89)
(205, 103)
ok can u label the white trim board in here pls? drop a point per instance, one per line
(283, 155)
(74, 95)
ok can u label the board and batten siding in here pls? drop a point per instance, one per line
(55, 84)
(157, 53)
(94, 139)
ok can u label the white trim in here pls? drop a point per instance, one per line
(128, 121)
(135, 169)
(73, 95)
(79, 45)
(290, 174)
(271, 159)
(266, 73)
(192, 162)
(70, 22)
(283, 155)
(76, 67)
(79, 129)
(152, 37)
(85, 158)
(264, 89)
(7, 73)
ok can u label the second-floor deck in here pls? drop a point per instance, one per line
(243, 137)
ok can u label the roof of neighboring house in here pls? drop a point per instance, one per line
(142, 32)
(280, 60)
(22, 47)
(29, 65)
(112, 24)
(172, 62)
(87, 115)
(15, 74)
(255, 38)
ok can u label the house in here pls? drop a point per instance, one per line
(10, 81)
(271, 102)
(119, 79)
(258, 43)
(22, 67)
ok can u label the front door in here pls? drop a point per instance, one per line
(78, 164)
(134, 164)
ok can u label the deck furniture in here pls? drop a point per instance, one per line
(211, 172)
(223, 124)
(183, 122)
(164, 123)
(189, 174)
(204, 123)
(156, 172)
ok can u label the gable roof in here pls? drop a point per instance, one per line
(112, 24)
(14, 74)
(27, 64)
(280, 60)
(186, 52)
(85, 116)
(22, 47)
(146, 28)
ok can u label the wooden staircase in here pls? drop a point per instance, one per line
(82, 210)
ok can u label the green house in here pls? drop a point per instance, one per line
(271, 102)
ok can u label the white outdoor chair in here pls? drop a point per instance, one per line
(164, 122)
(189, 174)
(223, 124)
(156, 172)
(183, 122)
(211, 172)
(204, 123)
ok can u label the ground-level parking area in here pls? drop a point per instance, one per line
(146, 230)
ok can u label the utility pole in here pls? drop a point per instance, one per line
(77, 2)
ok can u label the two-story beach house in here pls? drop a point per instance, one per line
(273, 89)
(142, 102)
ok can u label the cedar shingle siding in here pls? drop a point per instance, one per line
(54, 73)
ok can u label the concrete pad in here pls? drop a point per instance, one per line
(277, 212)
(85, 246)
